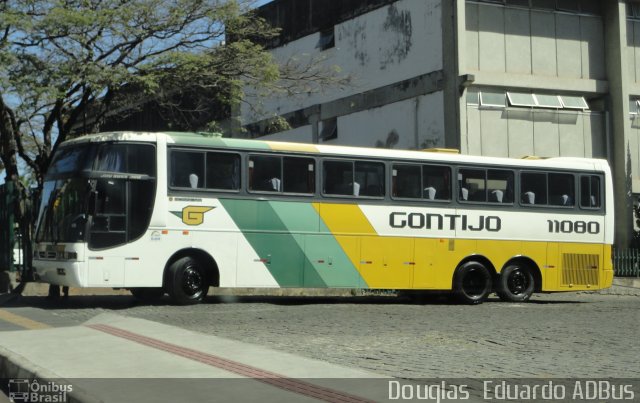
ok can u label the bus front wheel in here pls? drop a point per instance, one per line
(515, 284)
(188, 283)
(472, 283)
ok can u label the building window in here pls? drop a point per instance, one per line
(573, 102)
(548, 101)
(327, 39)
(472, 97)
(534, 100)
(520, 3)
(568, 5)
(633, 10)
(521, 99)
(492, 99)
(329, 129)
(591, 7)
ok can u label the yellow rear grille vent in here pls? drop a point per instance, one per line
(580, 269)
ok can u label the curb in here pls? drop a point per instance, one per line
(633, 282)
(14, 366)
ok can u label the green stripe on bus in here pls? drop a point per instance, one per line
(323, 253)
(274, 242)
(197, 139)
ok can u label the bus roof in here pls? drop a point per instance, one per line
(214, 140)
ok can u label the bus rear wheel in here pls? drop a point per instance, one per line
(472, 283)
(515, 284)
(188, 282)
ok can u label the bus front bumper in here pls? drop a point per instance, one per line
(60, 272)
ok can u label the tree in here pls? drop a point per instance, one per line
(68, 63)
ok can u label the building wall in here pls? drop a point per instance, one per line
(633, 49)
(383, 47)
(541, 51)
(539, 42)
(520, 132)
(411, 124)
(408, 87)
(633, 85)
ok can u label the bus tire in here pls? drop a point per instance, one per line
(147, 294)
(472, 283)
(188, 282)
(515, 283)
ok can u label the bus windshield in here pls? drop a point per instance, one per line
(90, 190)
(64, 209)
(69, 160)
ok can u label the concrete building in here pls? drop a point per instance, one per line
(490, 77)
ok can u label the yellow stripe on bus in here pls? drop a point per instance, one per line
(371, 255)
(22, 321)
(285, 146)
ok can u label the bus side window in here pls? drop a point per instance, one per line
(533, 186)
(299, 175)
(590, 191)
(406, 181)
(265, 173)
(187, 169)
(473, 185)
(561, 189)
(369, 179)
(500, 186)
(223, 171)
(436, 182)
(337, 178)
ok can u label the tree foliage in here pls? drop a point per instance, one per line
(69, 63)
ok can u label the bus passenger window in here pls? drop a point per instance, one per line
(337, 178)
(265, 173)
(436, 182)
(407, 181)
(534, 188)
(187, 169)
(223, 171)
(500, 186)
(590, 191)
(561, 189)
(472, 185)
(299, 175)
(369, 179)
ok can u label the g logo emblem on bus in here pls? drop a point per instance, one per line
(192, 215)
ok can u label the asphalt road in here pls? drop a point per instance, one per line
(556, 335)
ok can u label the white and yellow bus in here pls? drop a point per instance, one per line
(178, 213)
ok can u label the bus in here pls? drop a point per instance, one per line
(177, 213)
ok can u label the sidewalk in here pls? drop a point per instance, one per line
(113, 359)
